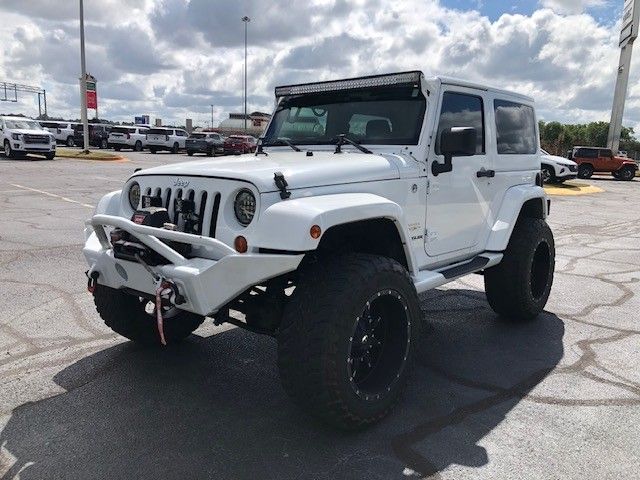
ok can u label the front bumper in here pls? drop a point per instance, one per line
(34, 148)
(206, 283)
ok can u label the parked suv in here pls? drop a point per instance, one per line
(240, 144)
(98, 135)
(133, 137)
(20, 135)
(205, 142)
(556, 169)
(325, 237)
(597, 159)
(166, 138)
(62, 131)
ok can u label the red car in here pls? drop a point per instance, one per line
(597, 159)
(240, 144)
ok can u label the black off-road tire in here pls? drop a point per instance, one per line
(137, 147)
(626, 173)
(519, 286)
(50, 156)
(70, 142)
(125, 314)
(585, 170)
(318, 329)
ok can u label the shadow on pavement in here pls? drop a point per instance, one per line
(213, 407)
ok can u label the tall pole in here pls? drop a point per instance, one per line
(246, 21)
(83, 83)
(628, 34)
(211, 116)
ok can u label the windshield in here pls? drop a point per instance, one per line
(23, 124)
(378, 116)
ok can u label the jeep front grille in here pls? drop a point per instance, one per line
(206, 206)
(31, 138)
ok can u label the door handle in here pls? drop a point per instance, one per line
(485, 173)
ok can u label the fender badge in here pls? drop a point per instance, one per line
(181, 183)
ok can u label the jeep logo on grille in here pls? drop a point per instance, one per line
(181, 183)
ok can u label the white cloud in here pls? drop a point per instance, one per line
(174, 58)
(572, 6)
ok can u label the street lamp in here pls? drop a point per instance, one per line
(246, 21)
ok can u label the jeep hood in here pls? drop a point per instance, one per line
(299, 170)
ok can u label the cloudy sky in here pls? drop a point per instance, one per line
(174, 58)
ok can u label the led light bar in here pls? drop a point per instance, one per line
(403, 78)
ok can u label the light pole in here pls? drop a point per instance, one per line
(246, 21)
(211, 116)
(83, 83)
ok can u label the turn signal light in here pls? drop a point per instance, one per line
(315, 232)
(240, 244)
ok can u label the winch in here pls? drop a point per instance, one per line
(127, 247)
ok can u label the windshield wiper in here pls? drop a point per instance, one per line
(284, 141)
(342, 139)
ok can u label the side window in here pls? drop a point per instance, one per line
(462, 110)
(515, 128)
(587, 153)
(606, 153)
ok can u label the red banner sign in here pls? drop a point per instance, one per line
(92, 99)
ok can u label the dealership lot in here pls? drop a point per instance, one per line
(558, 398)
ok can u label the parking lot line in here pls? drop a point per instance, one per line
(49, 194)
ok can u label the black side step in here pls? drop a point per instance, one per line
(476, 264)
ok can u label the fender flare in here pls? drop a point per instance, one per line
(511, 207)
(285, 225)
(109, 204)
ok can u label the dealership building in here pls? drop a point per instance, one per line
(256, 123)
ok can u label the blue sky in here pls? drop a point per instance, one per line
(608, 12)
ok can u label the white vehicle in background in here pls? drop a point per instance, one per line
(556, 169)
(128, 136)
(21, 135)
(166, 138)
(62, 131)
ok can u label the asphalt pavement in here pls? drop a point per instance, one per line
(555, 398)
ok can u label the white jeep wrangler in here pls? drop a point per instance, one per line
(363, 194)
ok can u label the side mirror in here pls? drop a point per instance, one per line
(454, 142)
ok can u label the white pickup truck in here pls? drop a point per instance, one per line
(362, 194)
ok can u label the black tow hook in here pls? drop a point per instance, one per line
(92, 280)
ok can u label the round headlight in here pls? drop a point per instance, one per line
(134, 195)
(245, 206)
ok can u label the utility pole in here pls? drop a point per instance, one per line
(246, 21)
(83, 83)
(211, 116)
(630, 24)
